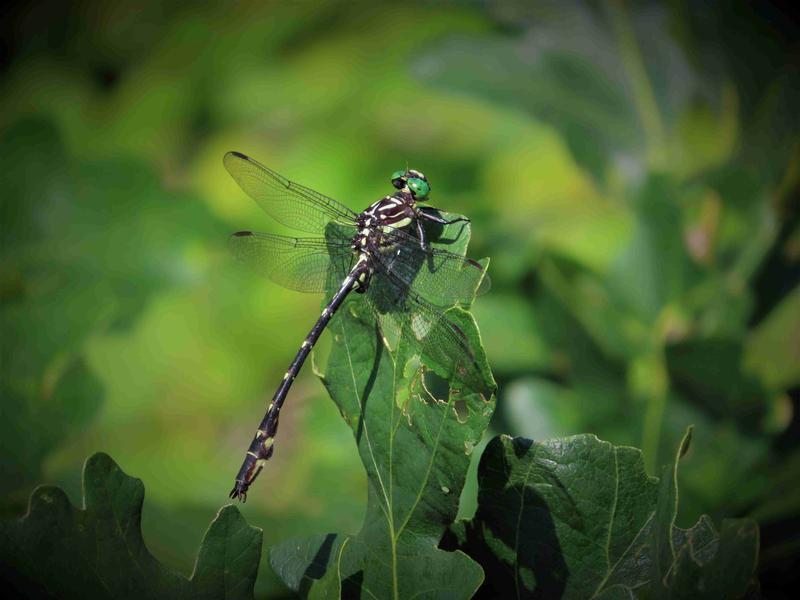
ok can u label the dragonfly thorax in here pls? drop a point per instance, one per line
(387, 214)
(397, 210)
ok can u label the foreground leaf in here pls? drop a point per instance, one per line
(98, 551)
(579, 518)
(415, 437)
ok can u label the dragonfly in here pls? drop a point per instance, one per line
(382, 253)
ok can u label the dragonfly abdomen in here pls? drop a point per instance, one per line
(262, 446)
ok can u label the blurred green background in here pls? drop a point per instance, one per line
(630, 167)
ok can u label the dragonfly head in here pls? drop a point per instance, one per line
(415, 181)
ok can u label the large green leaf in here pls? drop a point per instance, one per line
(98, 551)
(579, 518)
(415, 437)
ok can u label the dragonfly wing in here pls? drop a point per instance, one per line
(302, 264)
(403, 313)
(287, 202)
(441, 277)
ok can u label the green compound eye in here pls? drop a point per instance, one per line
(419, 188)
(398, 179)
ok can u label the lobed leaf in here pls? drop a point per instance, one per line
(579, 518)
(98, 551)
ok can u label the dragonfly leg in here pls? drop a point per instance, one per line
(437, 219)
(421, 235)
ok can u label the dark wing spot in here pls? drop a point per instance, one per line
(243, 234)
(458, 330)
(240, 155)
(475, 263)
(463, 341)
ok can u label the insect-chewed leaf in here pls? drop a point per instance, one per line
(98, 552)
(415, 437)
(579, 518)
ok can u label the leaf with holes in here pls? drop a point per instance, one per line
(98, 552)
(579, 518)
(415, 437)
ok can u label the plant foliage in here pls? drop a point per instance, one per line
(415, 435)
(579, 518)
(60, 551)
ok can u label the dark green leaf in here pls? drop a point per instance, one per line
(579, 518)
(98, 551)
(330, 586)
(415, 437)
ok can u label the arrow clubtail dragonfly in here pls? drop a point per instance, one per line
(382, 253)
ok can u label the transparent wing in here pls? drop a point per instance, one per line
(402, 312)
(302, 264)
(289, 203)
(440, 277)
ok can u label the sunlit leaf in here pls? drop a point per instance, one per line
(414, 437)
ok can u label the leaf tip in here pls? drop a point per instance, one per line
(99, 464)
(686, 442)
(47, 497)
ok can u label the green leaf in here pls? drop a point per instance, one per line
(98, 551)
(772, 350)
(579, 518)
(415, 435)
(329, 587)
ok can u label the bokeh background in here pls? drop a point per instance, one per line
(631, 168)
